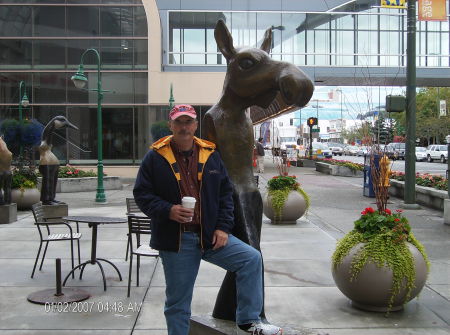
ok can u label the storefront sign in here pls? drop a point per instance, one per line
(393, 3)
(432, 10)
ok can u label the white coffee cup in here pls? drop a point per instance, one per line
(188, 202)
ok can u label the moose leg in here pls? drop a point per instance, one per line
(248, 220)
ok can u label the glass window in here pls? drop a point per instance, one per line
(141, 88)
(243, 29)
(75, 49)
(140, 54)
(367, 48)
(9, 88)
(116, 21)
(15, 21)
(49, 87)
(321, 47)
(140, 21)
(83, 21)
(117, 54)
(49, 54)
(117, 133)
(15, 54)
(49, 21)
(85, 118)
(194, 46)
(367, 21)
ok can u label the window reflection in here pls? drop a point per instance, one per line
(371, 38)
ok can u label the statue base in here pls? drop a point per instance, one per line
(207, 325)
(55, 211)
(8, 213)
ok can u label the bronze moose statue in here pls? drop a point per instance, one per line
(5, 173)
(252, 78)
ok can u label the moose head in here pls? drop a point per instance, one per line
(253, 78)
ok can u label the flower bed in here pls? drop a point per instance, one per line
(426, 179)
(339, 168)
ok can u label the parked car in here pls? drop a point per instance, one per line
(421, 154)
(351, 150)
(321, 149)
(437, 151)
(396, 150)
(336, 150)
(362, 151)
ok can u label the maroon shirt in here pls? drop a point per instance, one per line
(189, 184)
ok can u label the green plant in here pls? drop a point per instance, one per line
(24, 177)
(278, 189)
(426, 179)
(383, 234)
(351, 165)
(72, 172)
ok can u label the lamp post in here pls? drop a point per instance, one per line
(23, 102)
(447, 138)
(79, 79)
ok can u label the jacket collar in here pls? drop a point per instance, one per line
(165, 141)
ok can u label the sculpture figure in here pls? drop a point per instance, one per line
(252, 78)
(49, 163)
(5, 173)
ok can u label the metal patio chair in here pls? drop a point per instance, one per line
(138, 226)
(45, 225)
(132, 210)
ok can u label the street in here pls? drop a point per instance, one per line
(399, 165)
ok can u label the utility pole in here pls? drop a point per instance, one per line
(410, 161)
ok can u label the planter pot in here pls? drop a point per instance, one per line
(293, 209)
(25, 199)
(371, 289)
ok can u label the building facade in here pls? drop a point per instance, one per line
(148, 45)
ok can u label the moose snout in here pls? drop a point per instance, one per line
(295, 86)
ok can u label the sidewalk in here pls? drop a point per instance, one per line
(300, 292)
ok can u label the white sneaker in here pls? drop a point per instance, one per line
(259, 328)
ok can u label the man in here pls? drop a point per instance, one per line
(184, 165)
(260, 156)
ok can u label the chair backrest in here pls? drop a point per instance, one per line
(137, 226)
(132, 207)
(38, 212)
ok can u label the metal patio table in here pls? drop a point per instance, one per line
(93, 222)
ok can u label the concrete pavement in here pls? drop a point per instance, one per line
(300, 292)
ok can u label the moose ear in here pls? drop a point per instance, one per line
(267, 43)
(224, 40)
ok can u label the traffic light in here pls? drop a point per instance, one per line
(312, 121)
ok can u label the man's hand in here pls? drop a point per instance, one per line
(180, 214)
(220, 239)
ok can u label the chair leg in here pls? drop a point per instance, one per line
(72, 258)
(37, 258)
(138, 265)
(129, 274)
(79, 253)
(43, 256)
(128, 248)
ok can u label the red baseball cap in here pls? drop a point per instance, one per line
(179, 110)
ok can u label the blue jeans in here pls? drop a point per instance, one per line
(181, 269)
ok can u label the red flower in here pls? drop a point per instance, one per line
(76, 171)
(363, 212)
(370, 210)
(275, 177)
(399, 211)
(396, 220)
(388, 211)
(69, 172)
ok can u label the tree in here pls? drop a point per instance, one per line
(381, 131)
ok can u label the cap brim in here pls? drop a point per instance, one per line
(177, 115)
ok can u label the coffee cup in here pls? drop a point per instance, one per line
(188, 202)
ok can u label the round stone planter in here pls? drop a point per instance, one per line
(25, 199)
(293, 209)
(371, 290)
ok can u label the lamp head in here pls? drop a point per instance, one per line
(25, 102)
(79, 79)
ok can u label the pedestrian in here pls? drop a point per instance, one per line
(182, 165)
(260, 155)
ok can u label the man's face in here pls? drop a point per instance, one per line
(183, 127)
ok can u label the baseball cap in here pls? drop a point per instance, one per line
(179, 110)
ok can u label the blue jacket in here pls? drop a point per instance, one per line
(157, 189)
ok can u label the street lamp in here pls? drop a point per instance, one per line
(23, 102)
(79, 79)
